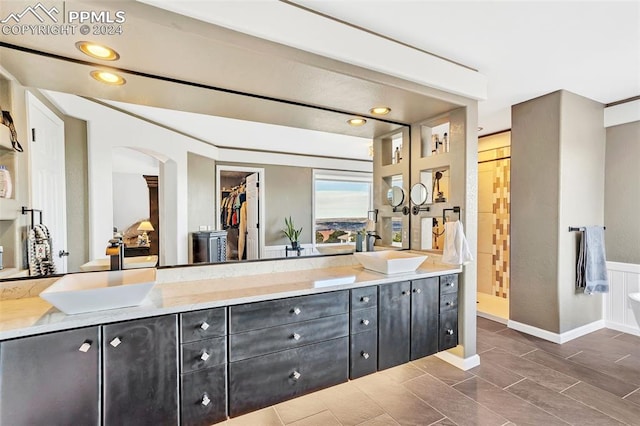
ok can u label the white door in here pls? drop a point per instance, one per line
(48, 190)
(253, 225)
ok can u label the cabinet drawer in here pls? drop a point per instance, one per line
(448, 302)
(260, 342)
(364, 320)
(448, 330)
(203, 324)
(203, 354)
(363, 298)
(272, 313)
(449, 283)
(204, 398)
(363, 354)
(259, 382)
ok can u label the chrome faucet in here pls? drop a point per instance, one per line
(115, 250)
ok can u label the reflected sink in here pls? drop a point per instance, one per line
(134, 262)
(390, 261)
(97, 291)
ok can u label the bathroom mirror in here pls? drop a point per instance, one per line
(395, 196)
(419, 194)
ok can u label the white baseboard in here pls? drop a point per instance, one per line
(622, 327)
(459, 362)
(556, 337)
(492, 317)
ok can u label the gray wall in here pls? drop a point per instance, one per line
(622, 193)
(201, 178)
(75, 157)
(557, 175)
(535, 159)
(288, 192)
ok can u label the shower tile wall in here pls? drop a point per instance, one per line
(493, 221)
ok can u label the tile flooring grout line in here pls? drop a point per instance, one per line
(631, 393)
(571, 356)
(462, 381)
(576, 383)
(531, 351)
(532, 404)
(278, 415)
(595, 408)
(505, 388)
(626, 356)
(439, 420)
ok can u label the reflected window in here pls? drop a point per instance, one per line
(341, 203)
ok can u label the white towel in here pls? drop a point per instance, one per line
(456, 248)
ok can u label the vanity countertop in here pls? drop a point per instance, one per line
(33, 315)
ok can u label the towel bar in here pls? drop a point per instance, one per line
(580, 228)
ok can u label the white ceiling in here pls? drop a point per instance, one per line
(525, 48)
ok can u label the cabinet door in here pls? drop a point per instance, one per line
(394, 305)
(50, 379)
(424, 317)
(204, 396)
(141, 372)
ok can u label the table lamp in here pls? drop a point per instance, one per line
(145, 226)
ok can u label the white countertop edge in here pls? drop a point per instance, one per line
(148, 309)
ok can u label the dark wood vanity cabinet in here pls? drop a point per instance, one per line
(363, 337)
(140, 372)
(281, 349)
(416, 319)
(203, 367)
(51, 379)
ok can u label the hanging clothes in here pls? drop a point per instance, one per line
(233, 217)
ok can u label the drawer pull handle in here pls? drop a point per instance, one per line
(365, 355)
(365, 299)
(296, 311)
(115, 342)
(448, 303)
(405, 293)
(450, 332)
(365, 321)
(205, 356)
(205, 400)
(204, 325)
(85, 347)
(296, 336)
(417, 290)
(450, 284)
(295, 375)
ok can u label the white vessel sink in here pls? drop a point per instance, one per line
(134, 262)
(97, 291)
(390, 261)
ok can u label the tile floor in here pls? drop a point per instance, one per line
(493, 307)
(522, 380)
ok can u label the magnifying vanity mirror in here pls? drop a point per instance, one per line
(419, 194)
(395, 196)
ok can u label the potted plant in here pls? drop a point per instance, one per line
(291, 232)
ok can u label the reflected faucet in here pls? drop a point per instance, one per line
(115, 250)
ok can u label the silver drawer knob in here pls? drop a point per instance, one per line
(204, 325)
(205, 356)
(450, 284)
(365, 355)
(296, 311)
(450, 332)
(405, 293)
(115, 342)
(365, 321)
(296, 336)
(365, 299)
(295, 375)
(417, 290)
(448, 303)
(85, 347)
(205, 400)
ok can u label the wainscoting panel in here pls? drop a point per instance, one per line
(624, 278)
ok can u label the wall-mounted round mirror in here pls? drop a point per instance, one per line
(395, 196)
(419, 194)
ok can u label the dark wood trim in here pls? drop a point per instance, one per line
(494, 133)
(622, 101)
(154, 213)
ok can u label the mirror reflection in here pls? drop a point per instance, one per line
(395, 196)
(178, 187)
(419, 194)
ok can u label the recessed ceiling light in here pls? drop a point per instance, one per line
(97, 51)
(380, 110)
(108, 78)
(357, 122)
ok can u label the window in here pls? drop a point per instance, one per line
(342, 201)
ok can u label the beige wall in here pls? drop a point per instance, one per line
(622, 193)
(557, 163)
